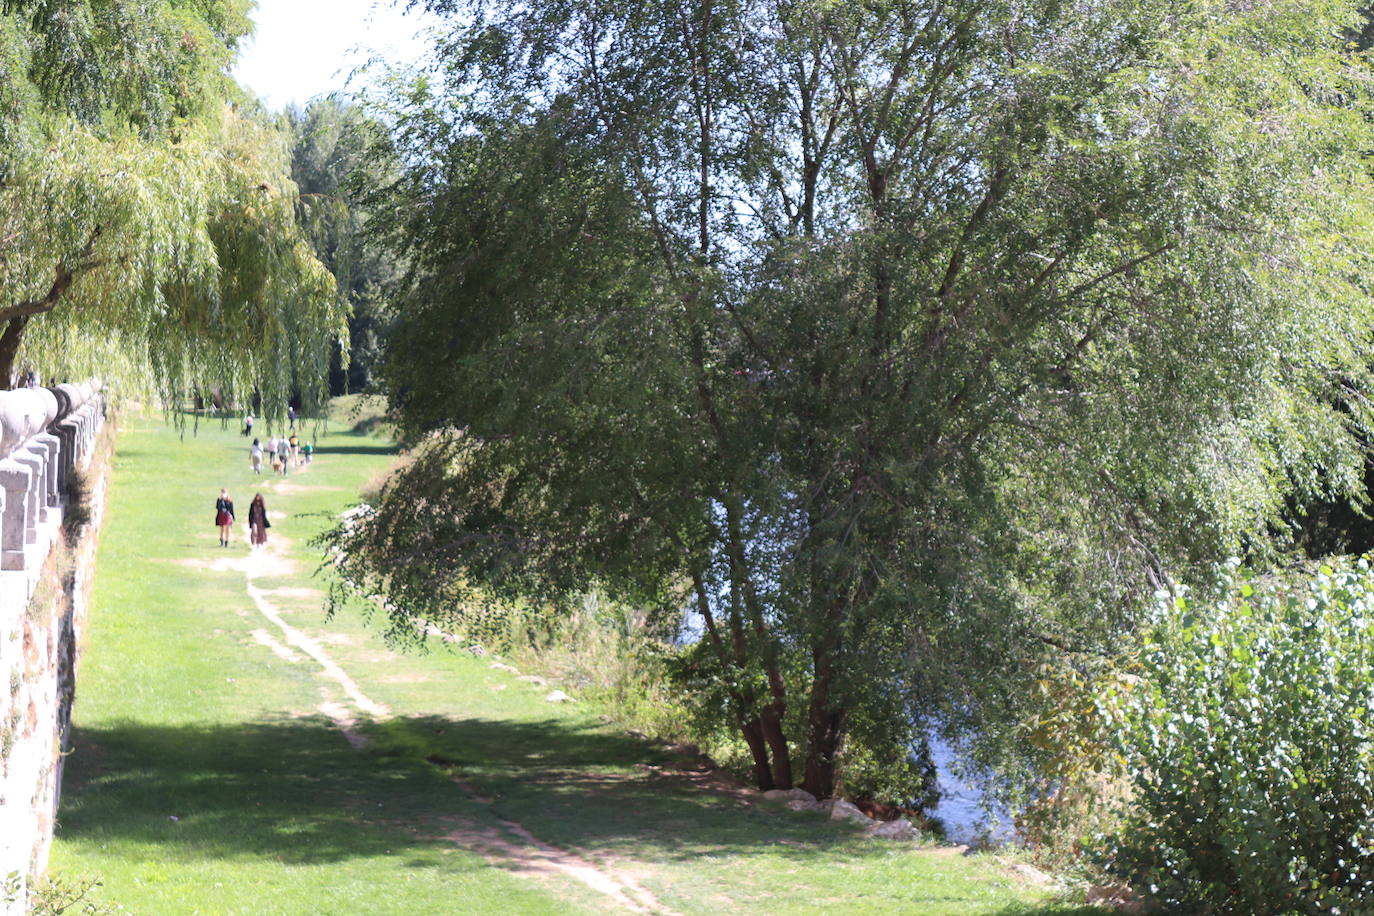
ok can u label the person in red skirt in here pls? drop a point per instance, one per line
(224, 517)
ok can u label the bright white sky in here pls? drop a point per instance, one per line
(305, 48)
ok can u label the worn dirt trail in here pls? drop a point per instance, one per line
(512, 844)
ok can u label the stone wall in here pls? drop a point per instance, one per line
(48, 438)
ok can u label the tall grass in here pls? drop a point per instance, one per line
(608, 653)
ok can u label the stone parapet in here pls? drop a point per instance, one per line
(46, 437)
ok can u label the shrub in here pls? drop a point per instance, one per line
(1247, 734)
(57, 896)
(1072, 789)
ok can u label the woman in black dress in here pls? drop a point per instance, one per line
(224, 517)
(257, 521)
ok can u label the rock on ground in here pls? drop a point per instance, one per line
(801, 804)
(1032, 875)
(1121, 899)
(789, 795)
(846, 811)
(558, 696)
(901, 829)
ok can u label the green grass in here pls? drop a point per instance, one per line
(181, 714)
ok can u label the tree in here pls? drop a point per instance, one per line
(146, 205)
(901, 342)
(332, 140)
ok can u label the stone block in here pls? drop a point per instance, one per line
(15, 481)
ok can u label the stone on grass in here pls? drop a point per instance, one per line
(900, 829)
(799, 804)
(789, 795)
(842, 810)
(1120, 899)
(500, 666)
(534, 679)
(558, 696)
(1032, 875)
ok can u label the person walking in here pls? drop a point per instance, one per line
(224, 517)
(291, 415)
(284, 455)
(295, 444)
(257, 521)
(248, 425)
(255, 456)
(309, 451)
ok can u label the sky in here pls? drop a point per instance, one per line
(305, 48)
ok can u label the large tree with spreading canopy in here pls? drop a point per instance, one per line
(146, 208)
(902, 342)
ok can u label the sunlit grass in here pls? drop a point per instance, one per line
(205, 780)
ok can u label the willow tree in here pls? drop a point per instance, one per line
(902, 342)
(146, 205)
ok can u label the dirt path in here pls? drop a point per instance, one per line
(518, 846)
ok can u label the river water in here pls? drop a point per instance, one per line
(965, 807)
(969, 814)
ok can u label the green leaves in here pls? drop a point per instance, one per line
(1248, 745)
(905, 343)
(147, 209)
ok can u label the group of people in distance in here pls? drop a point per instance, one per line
(283, 453)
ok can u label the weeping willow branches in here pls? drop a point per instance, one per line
(148, 227)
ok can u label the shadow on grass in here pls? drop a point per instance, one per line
(290, 790)
(294, 791)
(378, 449)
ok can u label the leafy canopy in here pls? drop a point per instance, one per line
(147, 206)
(1244, 730)
(898, 342)
(333, 149)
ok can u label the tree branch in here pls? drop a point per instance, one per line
(61, 283)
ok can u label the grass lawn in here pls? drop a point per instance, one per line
(211, 776)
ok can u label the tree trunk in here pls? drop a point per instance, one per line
(826, 728)
(771, 723)
(9, 348)
(750, 728)
(763, 774)
(771, 717)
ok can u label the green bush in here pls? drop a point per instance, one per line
(57, 896)
(1247, 734)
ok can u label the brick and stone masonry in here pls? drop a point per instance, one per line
(47, 435)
